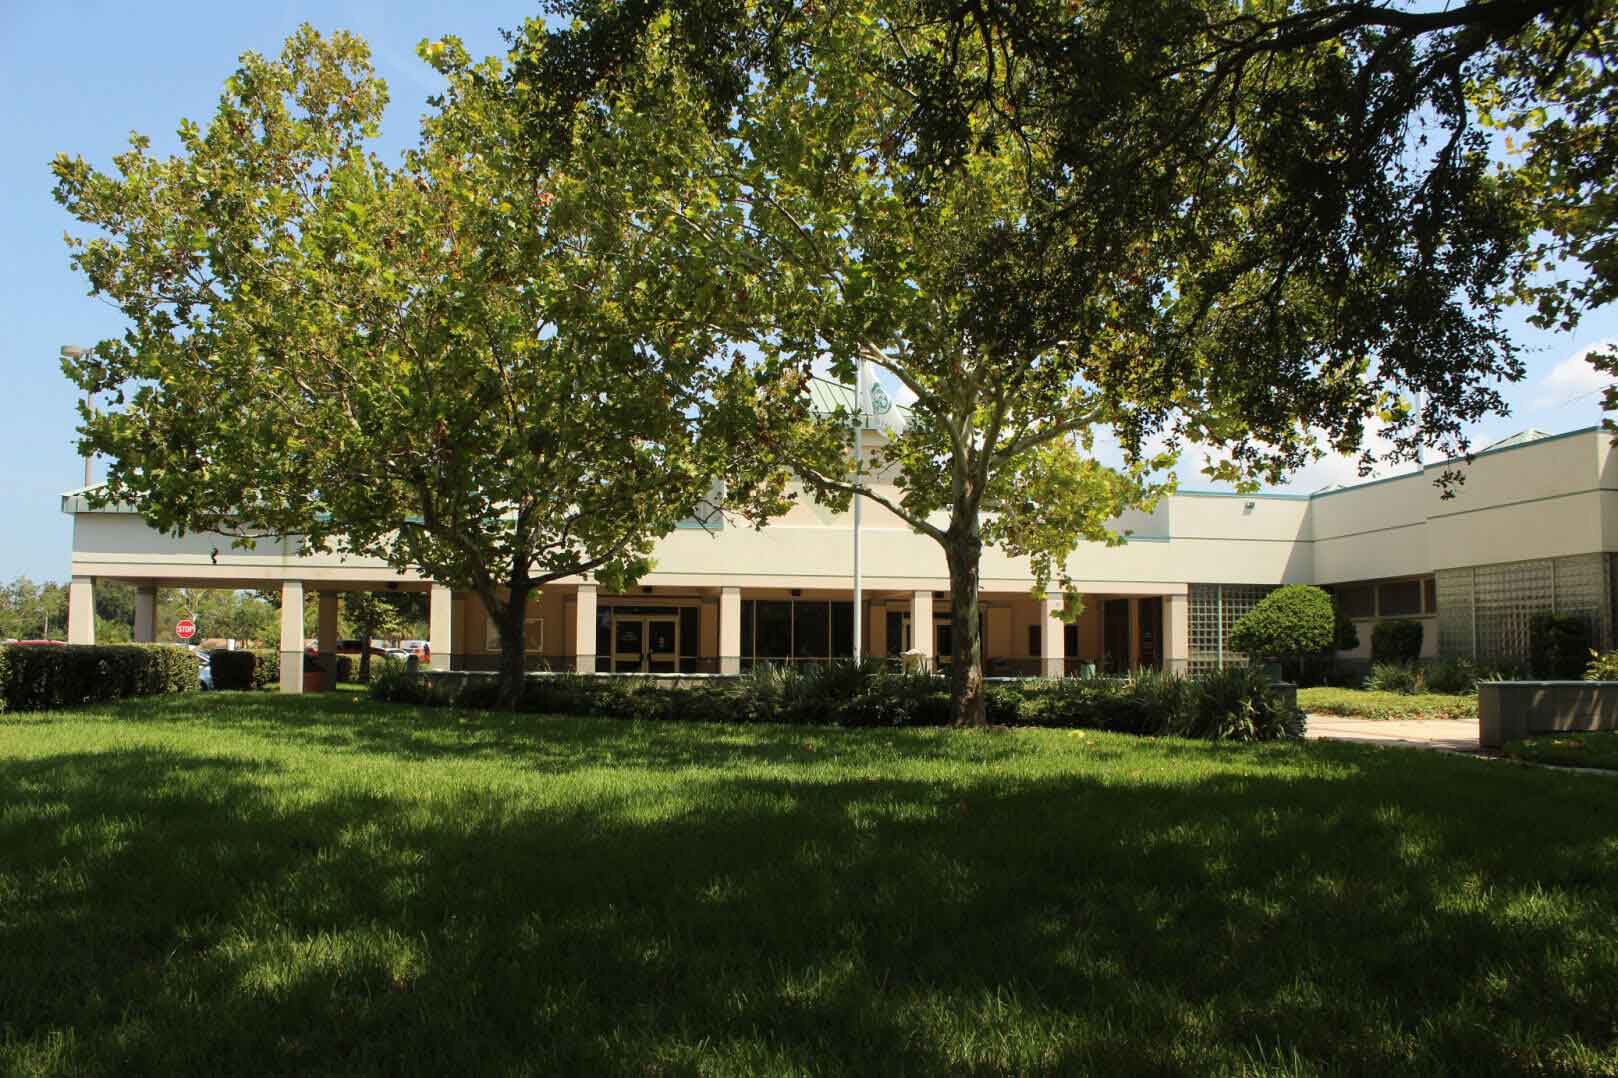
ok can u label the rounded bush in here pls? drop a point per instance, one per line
(1396, 641)
(1294, 620)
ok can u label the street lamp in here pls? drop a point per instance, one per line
(74, 351)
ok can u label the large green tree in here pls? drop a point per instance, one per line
(477, 362)
(1043, 261)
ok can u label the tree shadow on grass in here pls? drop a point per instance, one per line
(181, 913)
(550, 743)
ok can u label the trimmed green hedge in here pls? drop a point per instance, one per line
(241, 670)
(1235, 704)
(39, 677)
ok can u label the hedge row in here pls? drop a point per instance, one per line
(38, 677)
(241, 670)
(1235, 704)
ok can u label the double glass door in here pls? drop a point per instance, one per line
(645, 644)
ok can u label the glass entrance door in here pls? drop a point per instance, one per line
(643, 644)
(662, 645)
(628, 645)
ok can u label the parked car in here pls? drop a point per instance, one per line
(418, 648)
(204, 671)
(350, 648)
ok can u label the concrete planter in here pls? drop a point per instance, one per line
(1508, 710)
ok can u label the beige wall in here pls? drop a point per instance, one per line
(1551, 498)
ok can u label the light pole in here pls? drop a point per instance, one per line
(74, 351)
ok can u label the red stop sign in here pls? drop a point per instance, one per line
(185, 629)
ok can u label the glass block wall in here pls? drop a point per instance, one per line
(1213, 610)
(1485, 611)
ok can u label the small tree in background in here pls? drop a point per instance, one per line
(374, 614)
(1289, 623)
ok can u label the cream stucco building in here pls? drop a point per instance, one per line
(1534, 527)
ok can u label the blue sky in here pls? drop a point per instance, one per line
(78, 77)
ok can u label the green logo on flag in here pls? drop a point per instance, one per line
(880, 404)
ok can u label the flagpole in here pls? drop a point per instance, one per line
(859, 431)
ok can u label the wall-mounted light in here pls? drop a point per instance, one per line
(1247, 506)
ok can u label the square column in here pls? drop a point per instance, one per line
(326, 639)
(146, 614)
(876, 638)
(1052, 639)
(81, 610)
(1176, 634)
(292, 636)
(440, 637)
(921, 625)
(584, 629)
(457, 631)
(730, 630)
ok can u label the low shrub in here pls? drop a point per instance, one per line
(1558, 646)
(1460, 675)
(1237, 704)
(38, 678)
(232, 670)
(1602, 667)
(1405, 677)
(1396, 641)
(266, 670)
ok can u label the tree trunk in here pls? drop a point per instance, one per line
(511, 617)
(963, 551)
(365, 661)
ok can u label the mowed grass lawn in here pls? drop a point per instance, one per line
(249, 884)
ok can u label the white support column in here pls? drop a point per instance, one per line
(584, 629)
(457, 631)
(146, 614)
(292, 636)
(81, 610)
(921, 625)
(1052, 639)
(326, 639)
(1176, 634)
(730, 630)
(440, 640)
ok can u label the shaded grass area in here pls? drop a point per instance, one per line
(1370, 704)
(253, 884)
(1596, 749)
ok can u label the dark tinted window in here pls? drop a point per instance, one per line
(842, 630)
(1357, 601)
(1401, 598)
(811, 626)
(774, 630)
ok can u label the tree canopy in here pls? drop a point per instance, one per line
(1070, 223)
(465, 363)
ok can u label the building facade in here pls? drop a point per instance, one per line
(1533, 528)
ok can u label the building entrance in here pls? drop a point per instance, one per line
(645, 644)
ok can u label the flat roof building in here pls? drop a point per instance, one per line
(1533, 528)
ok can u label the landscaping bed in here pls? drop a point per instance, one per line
(232, 883)
(1236, 704)
(1369, 704)
(1595, 749)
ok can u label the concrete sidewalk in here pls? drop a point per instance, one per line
(1447, 735)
